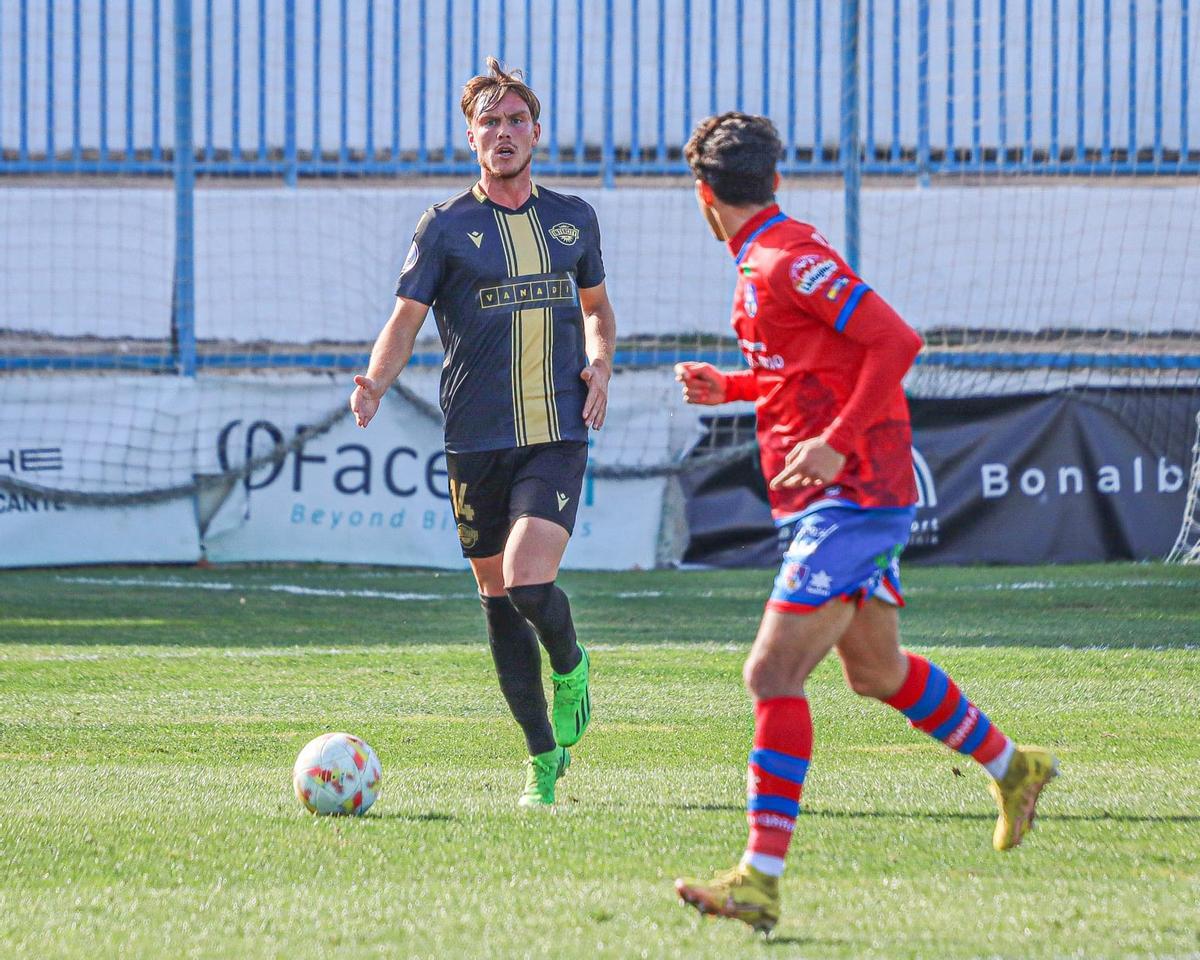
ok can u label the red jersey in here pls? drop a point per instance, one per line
(827, 356)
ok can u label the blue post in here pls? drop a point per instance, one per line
(634, 82)
(76, 84)
(661, 102)
(739, 55)
(396, 78)
(184, 319)
(1080, 72)
(791, 85)
(370, 104)
(316, 86)
(448, 133)
(895, 152)
(1132, 147)
(50, 83)
(1106, 109)
(129, 21)
(554, 58)
(23, 95)
(579, 133)
(1028, 82)
(976, 84)
(1158, 81)
(1183, 81)
(103, 79)
(951, 151)
(1054, 155)
(422, 83)
(609, 153)
(343, 83)
(155, 82)
(236, 79)
(208, 80)
(818, 90)
(289, 92)
(766, 58)
(262, 80)
(1002, 84)
(849, 148)
(923, 92)
(870, 79)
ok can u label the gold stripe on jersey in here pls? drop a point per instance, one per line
(548, 372)
(510, 264)
(525, 254)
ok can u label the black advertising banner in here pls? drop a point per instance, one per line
(1064, 478)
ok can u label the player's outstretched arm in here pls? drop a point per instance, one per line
(392, 351)
(600, 335)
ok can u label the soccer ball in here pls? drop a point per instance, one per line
(337, 774)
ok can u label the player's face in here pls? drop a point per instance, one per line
(503, 136)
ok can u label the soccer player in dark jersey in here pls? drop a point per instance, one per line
(514, 274)
(826, 356)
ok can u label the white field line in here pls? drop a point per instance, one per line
(1064, 585)
(420, 649)
(289, 588)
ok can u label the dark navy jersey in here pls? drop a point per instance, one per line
(504, 286)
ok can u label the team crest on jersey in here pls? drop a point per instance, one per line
(792, 576)
(468, 536)
(565, 233)
(750, 300)
(411, 260)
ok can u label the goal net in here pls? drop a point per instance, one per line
(1029, 201)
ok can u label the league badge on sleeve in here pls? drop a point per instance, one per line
(411, 260)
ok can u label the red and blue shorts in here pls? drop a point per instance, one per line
(839, 549)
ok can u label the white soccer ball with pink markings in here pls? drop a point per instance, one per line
(337, 774)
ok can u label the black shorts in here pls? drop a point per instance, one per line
(491, 489)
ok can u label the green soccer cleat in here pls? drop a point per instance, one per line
(544, 771)
(742, 893)
(1017, 794)
(572, 702)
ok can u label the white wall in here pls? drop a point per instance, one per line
(438, 95)
(320, 264)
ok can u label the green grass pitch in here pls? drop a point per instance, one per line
(149, 718)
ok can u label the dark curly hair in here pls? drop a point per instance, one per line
(735, 154)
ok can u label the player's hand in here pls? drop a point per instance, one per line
(810, 463)
(364, 401)
(596, 375)
(702, 382)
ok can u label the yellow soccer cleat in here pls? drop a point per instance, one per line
(742, 893)
(1017, 794)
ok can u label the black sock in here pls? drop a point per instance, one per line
(547, 608)
(519, 667)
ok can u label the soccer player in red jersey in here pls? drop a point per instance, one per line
(826, 357)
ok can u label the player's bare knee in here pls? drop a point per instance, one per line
(765, 679)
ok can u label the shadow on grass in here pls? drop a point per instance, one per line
(941, 815)
(419, 817)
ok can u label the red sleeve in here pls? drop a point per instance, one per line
(742, 385)
(819, 283)
(889, 347)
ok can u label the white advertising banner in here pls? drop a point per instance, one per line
(378, 495)
(49, 440)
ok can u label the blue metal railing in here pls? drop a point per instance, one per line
(1091, 91)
